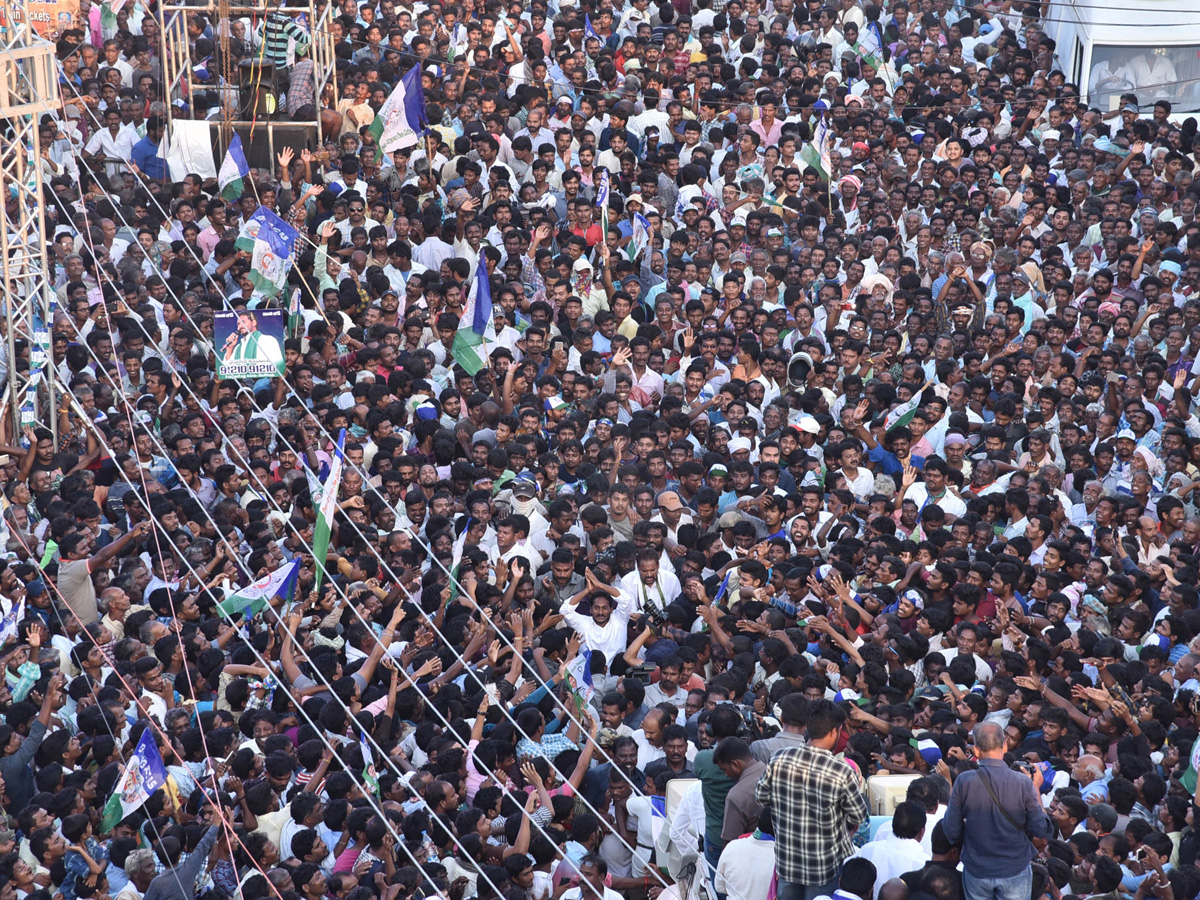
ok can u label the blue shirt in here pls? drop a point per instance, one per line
(888, 463)
(992, 847)
(145, 155)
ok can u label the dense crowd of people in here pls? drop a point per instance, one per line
(822, 522)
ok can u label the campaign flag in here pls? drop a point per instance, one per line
(460, 545)
(370, 776)
(271, 243)
(903, 414)
(477, 329)
(578, 675)
(1188, 778)
(295, 319)
(588, 30)
(640, 239)
(255, 596)
(602, 203)
(402, 118)
(816, 152)
(143, 775)
(8, 625)
(231, 178)
(325, 500)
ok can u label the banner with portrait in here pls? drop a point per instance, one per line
(250, 343)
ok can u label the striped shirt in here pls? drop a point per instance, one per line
(278, 29)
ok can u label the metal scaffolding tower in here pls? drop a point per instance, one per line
(28, 90)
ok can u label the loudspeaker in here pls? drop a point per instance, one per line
(262, 146)
(258, 90)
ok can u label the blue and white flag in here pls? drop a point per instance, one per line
(402, 118)
(8, 625)
(255, 596)
(231, 179)
(640, 239)
(271, 243)
(476, 330)
(588, 30)
(578, 674)
(602, 190)
(144, 774)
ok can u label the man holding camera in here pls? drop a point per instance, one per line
(1004, 812)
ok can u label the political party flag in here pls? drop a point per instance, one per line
(477, 329)
(402, 118)
(295, 320)
(578, 673)
(234, 171)
(588, 30)
(253, 597)
(325, 500)
(456, 560)
(602, 203)
(1188, 778)
(271, 243)
(108, 18)
(641, 237)
(816, 152)
(903, 414)
(143, 775)
(370, 776)
(8, 625)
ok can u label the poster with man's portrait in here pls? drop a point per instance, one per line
(250, 343)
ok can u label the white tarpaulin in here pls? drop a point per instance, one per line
(189, 150)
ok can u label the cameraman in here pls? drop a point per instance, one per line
(993, 812)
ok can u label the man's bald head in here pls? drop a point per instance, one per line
(989, 740)
(1090, 767)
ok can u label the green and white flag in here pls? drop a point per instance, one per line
(255, 596)
(370, 776)
(325, 499)
(903, 414)
(231, 178)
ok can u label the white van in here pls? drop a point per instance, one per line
(1152, 50)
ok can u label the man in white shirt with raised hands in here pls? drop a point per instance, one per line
(604, 631)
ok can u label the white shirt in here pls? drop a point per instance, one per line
(608, 638)
(894, 856)
(648, 754)
(523, 549)
(931, 819)
(665, 590)
(106, 146)
(950, 504)
(745, 869)
(983, 672)
(863, 485)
